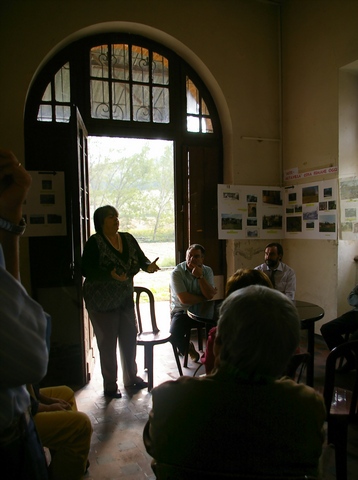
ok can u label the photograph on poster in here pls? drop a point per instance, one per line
(310, 194)
(327, 223)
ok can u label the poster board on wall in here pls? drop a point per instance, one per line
(266, 212)
(45, 209)
(349, 208)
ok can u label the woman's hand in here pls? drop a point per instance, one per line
(153, 267)
(121, 278)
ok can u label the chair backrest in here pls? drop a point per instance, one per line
(347, 348)
(138, 291)
(164, 471)
(297, 365)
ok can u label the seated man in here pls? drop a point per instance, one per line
(191, 284)
(62, 429)
(283, 277)
(333, 331)
(242, 419)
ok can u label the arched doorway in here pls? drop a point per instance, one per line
(119, 85)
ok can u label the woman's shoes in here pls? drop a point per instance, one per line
(194, 355)
(138, 385)
(112, 394)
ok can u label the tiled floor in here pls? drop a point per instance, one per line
(117, 449)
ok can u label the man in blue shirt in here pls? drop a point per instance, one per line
(191, 284)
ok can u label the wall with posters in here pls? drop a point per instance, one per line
(307, 211)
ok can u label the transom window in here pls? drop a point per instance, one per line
(129, 83)
(126, 83)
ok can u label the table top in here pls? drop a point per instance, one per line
(309, 311)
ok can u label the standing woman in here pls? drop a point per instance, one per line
(109, 262)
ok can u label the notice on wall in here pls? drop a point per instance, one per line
(45, 209)
(349, 208)
(301, 211)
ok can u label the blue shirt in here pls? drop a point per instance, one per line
(182, 280)
(23, 350)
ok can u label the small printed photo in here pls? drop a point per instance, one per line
(292, 197)
(272, 221)
(349, 189)
(272, 196)
(251, 209)
(294, 224)
(310, 194)
(327, 223)
(231, 195)
(47, 199)
(350, 213)
(231, 221)
(347, 226)
(332, 205)
(322, 206)
(310, 225)
(251, 222)
(298, 208)
(310, 212)
(327, 192)
(37, 219)
(252, 233)
(251, 198)
(290, 210)
(46, 184)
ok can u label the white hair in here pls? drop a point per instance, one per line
(258, 331)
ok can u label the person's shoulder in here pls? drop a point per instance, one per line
(179, 268)
(303, 393)
(261, 267)
(287, 267)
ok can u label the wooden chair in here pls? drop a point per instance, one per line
(341, 405)
(297, 366)
(152, 336)
(174, 472)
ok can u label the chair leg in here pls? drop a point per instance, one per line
(148, 355)
(177, 359)
(338, 435)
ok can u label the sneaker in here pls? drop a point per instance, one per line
(194, 355)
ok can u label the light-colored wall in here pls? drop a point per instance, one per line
(235, 47)
(318, 39)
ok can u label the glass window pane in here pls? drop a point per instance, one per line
(121, 109)
(192, 97)
(193, 124)
(62, 84)
(160, 105)
(204, 108)
(46, 97)
(141, 106)
(44, 113)
(160, 69)
(63, 113)
(140, 64)
(99, 61)
(120, 62)
(99, 99)
(207, 125)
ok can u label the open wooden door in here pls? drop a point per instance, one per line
(56, 279)
(201, 171)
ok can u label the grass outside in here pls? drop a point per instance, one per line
(158, 282)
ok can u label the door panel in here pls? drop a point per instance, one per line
(56, 281)
(201, 172)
